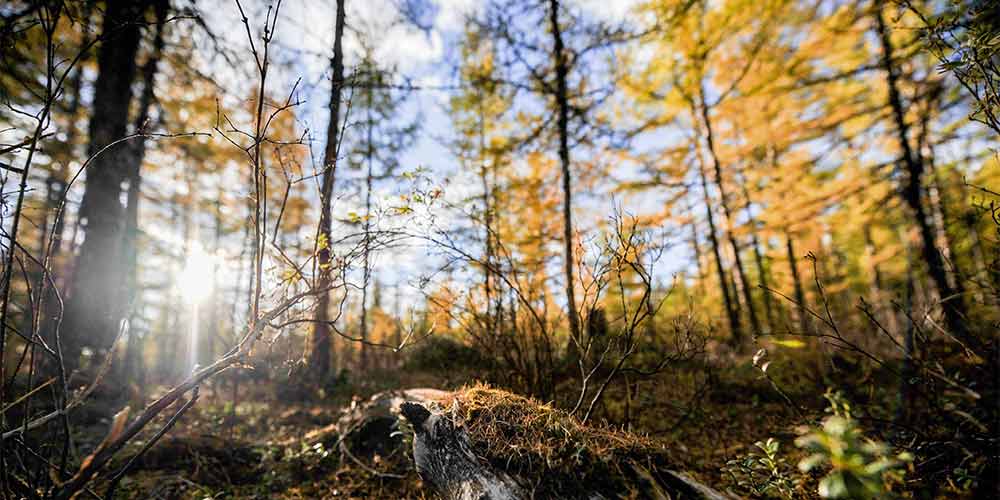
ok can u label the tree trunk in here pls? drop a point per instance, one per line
(906, 373)
(367, 271)
(562, 104)
(92, 315)
(319, 339)
(952, 298)
(936, 195)
(491, 319)
(732, 312)
(759, 259)
(730, 220)
(696, 246)
(60, 176)
(800, 295)
(130, 250)
(878, 284)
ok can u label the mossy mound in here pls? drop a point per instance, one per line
(552, 452)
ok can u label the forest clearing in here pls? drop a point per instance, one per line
(499, 249)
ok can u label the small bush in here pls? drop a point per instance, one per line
(445, 353)
(859, 467)
(762, 472)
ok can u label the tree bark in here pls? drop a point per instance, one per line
(444, 457)
(319, 348)
(936, 194)
(562, 105)
(92, 315)
(696, 246)
(72, 131)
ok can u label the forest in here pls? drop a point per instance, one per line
(499, 249)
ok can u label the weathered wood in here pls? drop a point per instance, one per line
(444, 458)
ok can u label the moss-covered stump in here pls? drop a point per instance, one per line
(485, 443)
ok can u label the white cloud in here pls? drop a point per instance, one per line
(452, 13)
(610, 10)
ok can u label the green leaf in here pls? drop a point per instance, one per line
(833, 486)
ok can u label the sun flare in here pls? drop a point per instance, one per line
(195, 280)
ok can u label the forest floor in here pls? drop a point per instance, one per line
(271, 447)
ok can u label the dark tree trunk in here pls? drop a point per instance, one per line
(878, 284)
(906, 373)
(730, 220)
(936, 194)
(319, 348)
(130, 250)
(491, 315)
(562, 105)
(952, 298)
(60, 177)
(696, 246)
(800, 294)
(366, 250)
(92, 315)
(759, 260)
(735, 329)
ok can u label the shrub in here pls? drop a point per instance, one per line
(445, 353)
(859, 467)
(762, 473)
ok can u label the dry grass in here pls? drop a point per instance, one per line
(537, 441)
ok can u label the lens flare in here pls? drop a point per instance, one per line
(195, 281)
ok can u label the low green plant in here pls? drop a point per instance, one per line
(762, 472)
(859, 467)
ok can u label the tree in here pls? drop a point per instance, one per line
(319, 352)
(479, 117)
(560, 73)
(129, 246)
(912, 192)
(92, 314)
(561, 97)
(376, 154)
